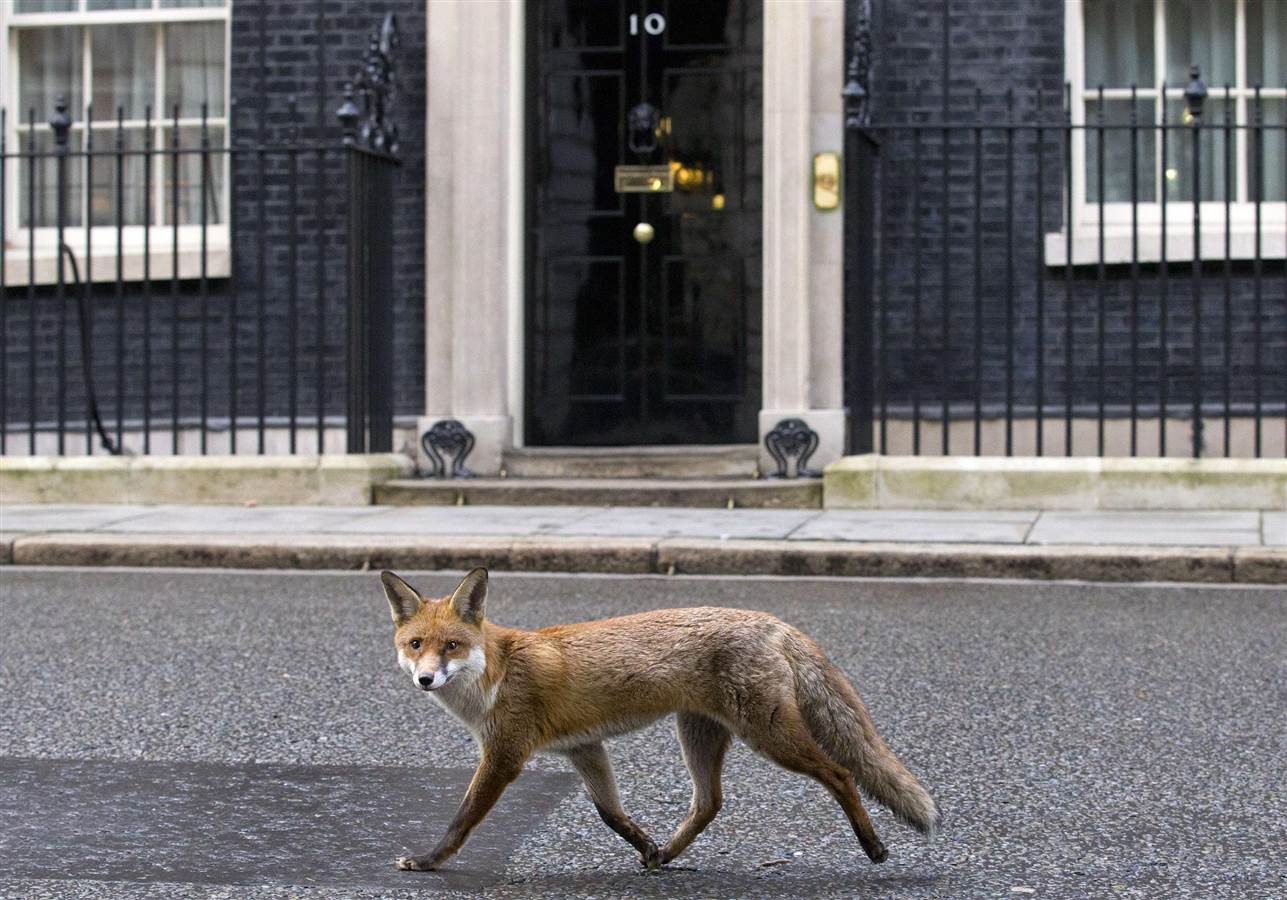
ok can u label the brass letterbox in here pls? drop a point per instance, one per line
(643, 179)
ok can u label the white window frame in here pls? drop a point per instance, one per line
(103, 238)
(1179, 229)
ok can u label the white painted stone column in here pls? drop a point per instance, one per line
(803, 263)
(473, 227)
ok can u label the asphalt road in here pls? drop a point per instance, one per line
(225, 734)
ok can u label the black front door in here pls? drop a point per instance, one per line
(643, 299)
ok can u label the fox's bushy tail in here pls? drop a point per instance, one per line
(840, 723)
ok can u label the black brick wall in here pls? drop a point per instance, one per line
(290, 50)
(274, 58)
(1017, 45)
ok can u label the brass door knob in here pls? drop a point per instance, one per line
(644, 233)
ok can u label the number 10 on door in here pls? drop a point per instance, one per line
(653, 23)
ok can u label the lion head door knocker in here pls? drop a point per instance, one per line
(792, 438)
(452, 438)
(642, 123)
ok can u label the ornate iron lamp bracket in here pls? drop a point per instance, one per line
(792, 438)
(451, 438)
(366, 116)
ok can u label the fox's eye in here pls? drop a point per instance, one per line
(415, 645)
(451, 645)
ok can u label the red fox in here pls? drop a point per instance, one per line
(564, 689)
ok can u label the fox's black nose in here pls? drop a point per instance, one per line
(424, 679)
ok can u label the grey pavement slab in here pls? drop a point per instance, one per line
(1274, 529)
(61, 517)
(1082, 740)
(664, 522)
(1176, 528)
(240, 519)
(214, 823)
(477, 520)
(911, 525)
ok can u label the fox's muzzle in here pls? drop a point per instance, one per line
(431, 681)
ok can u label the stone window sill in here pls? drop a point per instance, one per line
(1179, 241)
(19, 254)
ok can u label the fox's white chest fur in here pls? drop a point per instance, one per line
(467, 702)
(462, 695)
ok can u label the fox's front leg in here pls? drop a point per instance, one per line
(495, 772)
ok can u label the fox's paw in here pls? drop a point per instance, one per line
(415, 863)
(652, 858)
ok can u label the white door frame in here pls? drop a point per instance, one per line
(474, 229)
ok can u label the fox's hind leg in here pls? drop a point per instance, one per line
(704, 742)
(592, 764)
(790, 744)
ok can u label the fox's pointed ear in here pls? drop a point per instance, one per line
(404, 602)
(468, 598)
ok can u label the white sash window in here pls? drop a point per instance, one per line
(112, 60)
(1150, 45)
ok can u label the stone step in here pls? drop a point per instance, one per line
(800, 493)
(717, 461)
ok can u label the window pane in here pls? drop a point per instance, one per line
(95, 5)
(103, 200)
(39, 6)
(45, 182)
(1119, 43)
(49, 65)
(1266, 42)
(1200, 33)
(187, 4)
(1117, 152)
(194, 62)
(124, 69)
(1178, 176)
(1274, 144)
(190, 177)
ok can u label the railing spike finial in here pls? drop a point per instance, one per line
(857, 89)
(1195, 94)
(60, 123)
(348, 114)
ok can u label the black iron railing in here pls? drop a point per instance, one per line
(205, 289)
(1101, 281)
